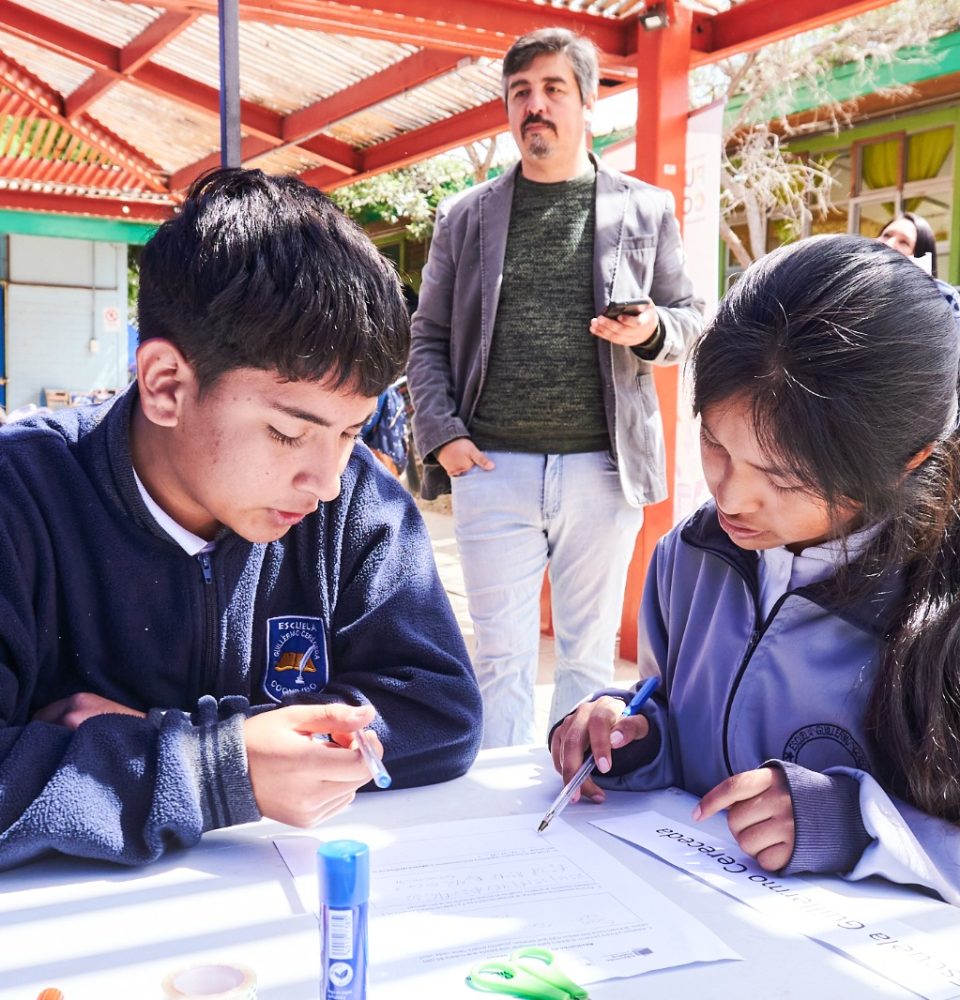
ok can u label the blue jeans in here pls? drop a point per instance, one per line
(570, 510)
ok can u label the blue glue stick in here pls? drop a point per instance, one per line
(343, 873)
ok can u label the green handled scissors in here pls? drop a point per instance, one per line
(528, 972)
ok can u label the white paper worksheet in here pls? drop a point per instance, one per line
(445, 896)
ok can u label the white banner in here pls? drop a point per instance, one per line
(701, 240)
(926, 963)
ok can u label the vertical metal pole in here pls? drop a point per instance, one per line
(229, 17)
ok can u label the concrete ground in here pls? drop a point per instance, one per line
(439, 522)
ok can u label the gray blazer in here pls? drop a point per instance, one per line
(637, 251)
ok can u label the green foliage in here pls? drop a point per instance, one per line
(133, 281)
(411, 193)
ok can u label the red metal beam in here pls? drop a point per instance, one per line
(58, 37)
(129, 59)
(250, 147)
(154, 37)
(335, 153)
(755, 23)
(475, 27)
(95, 86)
(111, 208)
(255, 119)
(38, 95)
(470, 126)
(301, 127)
(324, 178)
(402, 76)
(341, 159)
(105, 58)
(663, 64)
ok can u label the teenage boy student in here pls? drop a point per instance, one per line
(212, 544)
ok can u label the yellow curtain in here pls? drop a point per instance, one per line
(881, 162)
(926, 154)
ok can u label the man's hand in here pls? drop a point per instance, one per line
(598, 726)
(460, 455)
(759, 814)
(631, 331)
(299, 780)
(79, 707)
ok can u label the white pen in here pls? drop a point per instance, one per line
(381, 776)
(583, 771)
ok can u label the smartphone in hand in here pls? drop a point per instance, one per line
(633, 307)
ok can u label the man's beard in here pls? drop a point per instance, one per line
(538, 146)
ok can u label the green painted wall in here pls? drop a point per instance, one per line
(76, 227)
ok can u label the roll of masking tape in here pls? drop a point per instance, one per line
(211, 982)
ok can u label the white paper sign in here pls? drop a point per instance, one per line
(111, 319)
(924, 963)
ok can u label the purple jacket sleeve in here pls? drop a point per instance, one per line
(829, 832)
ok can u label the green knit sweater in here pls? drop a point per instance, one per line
(542, 391)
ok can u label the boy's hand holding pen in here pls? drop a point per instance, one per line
(365, 740)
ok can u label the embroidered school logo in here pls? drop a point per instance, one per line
(824, 745)
(296, 656)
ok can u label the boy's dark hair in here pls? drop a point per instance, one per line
(581, 52)
(258, 271)
(847, 354)
(926, 241)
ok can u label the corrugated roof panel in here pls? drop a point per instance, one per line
(461, 90)
(286, 161)
(109, 21)
(62, 74)
(167, 132)
(57, 186)
(623, 9)
(280, 68)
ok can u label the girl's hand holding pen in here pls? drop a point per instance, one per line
(598, 726)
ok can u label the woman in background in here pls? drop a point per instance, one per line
(911, 235)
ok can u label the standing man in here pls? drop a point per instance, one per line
(540, 410)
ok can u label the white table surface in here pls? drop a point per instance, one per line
(100, 932)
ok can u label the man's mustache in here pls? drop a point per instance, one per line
(536, 120)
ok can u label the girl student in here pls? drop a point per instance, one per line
(805, 622)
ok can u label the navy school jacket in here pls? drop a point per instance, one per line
(95, 596)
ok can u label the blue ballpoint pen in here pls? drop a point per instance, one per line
(583, 772)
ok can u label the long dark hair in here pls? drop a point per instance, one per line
(926, 241)
(848, 356)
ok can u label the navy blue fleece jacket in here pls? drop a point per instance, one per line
(95, 596)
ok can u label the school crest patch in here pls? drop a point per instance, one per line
(296, 656)
(824, 745)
